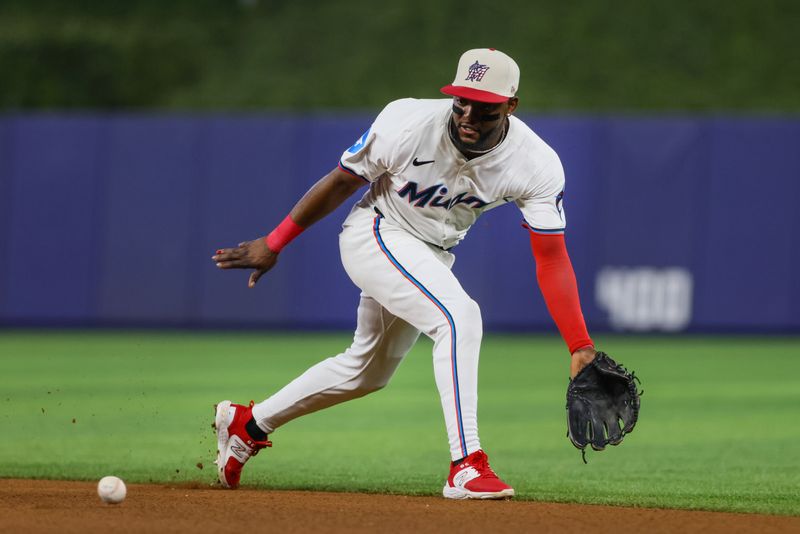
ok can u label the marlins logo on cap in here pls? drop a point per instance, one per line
(476, 72)
(485, 75)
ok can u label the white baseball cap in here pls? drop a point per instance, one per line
(485, 75)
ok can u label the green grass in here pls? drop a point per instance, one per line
(718, 428)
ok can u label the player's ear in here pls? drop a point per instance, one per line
(512, 105)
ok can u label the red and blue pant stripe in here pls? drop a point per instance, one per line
(448, 317)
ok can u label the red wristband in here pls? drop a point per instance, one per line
(283, 234)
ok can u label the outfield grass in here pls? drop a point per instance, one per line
(718, 428)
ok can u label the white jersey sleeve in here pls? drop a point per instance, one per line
(542, 205)
(375, 153)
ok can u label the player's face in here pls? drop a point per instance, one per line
(479, 125)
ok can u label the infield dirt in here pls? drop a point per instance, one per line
(60, 506)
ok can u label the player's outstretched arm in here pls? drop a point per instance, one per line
(602, 398)
(261, 254)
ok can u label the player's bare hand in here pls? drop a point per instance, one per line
(248, 255)
(580, 359)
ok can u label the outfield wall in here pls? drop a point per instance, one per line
(674, 223)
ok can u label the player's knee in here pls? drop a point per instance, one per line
(362, 389)
(366, 371)
(373, 387)
(468, 320)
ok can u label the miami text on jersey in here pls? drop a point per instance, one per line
(434, 196)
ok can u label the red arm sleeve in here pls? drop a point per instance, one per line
(560, 289)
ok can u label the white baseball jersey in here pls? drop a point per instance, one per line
(421, 182)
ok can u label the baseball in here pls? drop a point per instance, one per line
(111, 490)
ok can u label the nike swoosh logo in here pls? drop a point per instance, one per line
(416, 163)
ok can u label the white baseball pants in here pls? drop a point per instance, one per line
(407, 288)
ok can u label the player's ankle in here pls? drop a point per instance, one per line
(254, 430)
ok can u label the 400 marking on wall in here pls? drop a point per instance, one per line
(644, 298)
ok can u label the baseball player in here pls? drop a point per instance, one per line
(432, 167)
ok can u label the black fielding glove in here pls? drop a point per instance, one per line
(602, 404)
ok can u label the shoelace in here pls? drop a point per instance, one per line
(481, 464)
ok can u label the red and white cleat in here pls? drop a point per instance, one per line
(474, 479)
(234, 444)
